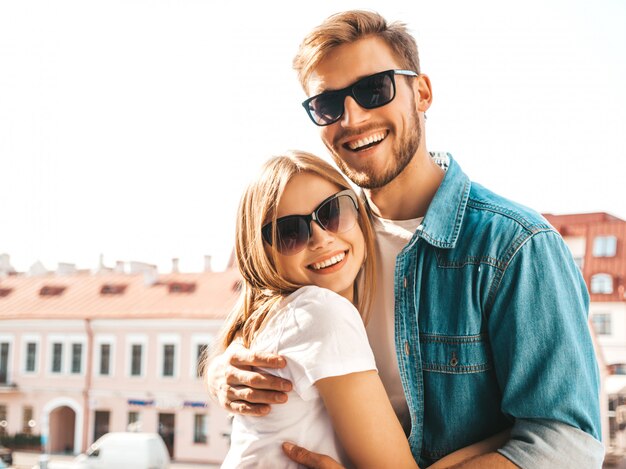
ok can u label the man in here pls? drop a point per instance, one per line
(480, 321)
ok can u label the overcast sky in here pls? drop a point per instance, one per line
(129, 128)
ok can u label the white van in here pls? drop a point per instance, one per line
(121, 451)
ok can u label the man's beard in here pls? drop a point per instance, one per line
(402, 153)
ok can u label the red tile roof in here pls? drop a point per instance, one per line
(207, 295)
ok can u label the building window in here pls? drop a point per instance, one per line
(602, 323)
(112, 289)
(27, 420)
(604, 246)
(50, 290)
(57, 357)
(3, 420)
(200, 430)
(201, 351)
(136, 358)
(77, 358)
(31, 357)
(169, 353)
(134, 424)
(602, 283)
(4, 362)
(182, 287)
(101, 423)
(105, 359)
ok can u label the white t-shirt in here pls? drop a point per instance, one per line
(391, 237)
(321, 334)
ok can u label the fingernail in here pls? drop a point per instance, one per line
(281, 361)
(288, 446)
(281, 398)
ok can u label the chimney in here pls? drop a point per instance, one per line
(207, 264)
(5, 265)
(150, 276)
(37, 270)
(65, 268)
(175, 265)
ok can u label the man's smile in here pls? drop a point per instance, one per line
(363, 143)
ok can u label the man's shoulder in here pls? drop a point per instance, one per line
(486, 207)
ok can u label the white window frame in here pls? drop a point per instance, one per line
(601, 284)
(99, 340)
(605, 246)
(10, 339)
(162, 341)
(70, 368)
(136, 339)
(70, 340)
(610, 323)
(196, 340)
(31, 339)
(206, 428)
(57, 339)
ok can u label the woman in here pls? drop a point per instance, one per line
(305, 249)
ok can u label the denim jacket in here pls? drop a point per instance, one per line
(491, 324)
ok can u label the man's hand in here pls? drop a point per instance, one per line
(308, 458)
(239, 389)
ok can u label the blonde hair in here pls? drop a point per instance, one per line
(262, 286)
(348, 27)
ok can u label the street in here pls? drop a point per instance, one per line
(24, 460)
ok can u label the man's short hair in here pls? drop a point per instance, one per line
(350, 26)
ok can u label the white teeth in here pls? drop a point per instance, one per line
(328, 262)
(366, 141)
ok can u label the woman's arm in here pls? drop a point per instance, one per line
(364, 421)
(368, 427)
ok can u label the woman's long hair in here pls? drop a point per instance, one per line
(262, 286)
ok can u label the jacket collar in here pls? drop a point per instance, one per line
(442, 222)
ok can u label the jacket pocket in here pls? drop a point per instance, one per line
(455, 354)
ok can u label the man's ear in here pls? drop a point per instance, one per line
(423, 93)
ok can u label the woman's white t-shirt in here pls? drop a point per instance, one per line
(321, 334)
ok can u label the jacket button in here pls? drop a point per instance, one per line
(407, 350)
(405, 282)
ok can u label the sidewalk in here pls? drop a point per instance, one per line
(23, 460)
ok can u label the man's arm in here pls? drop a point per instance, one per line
(543, 356)
(237, 388)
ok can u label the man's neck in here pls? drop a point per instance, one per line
(410, 193)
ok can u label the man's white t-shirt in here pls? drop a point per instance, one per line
(391, 237)
(321, 334)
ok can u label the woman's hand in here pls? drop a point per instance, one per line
(236, 387)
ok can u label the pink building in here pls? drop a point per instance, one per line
(84, 354)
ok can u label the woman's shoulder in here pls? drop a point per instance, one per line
(310, 308)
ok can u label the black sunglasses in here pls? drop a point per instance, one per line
(370, 92)
(336, 214)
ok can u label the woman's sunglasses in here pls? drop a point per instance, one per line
(336, 214)
(370, 92)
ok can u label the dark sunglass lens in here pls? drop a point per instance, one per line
(338, 214)
(326, 108)
(374, 91)
(329, 215)
(292, 234)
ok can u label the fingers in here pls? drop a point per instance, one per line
(253, 379)
(245, 357)
(308, 458)
(255, 396)
(245, 408)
